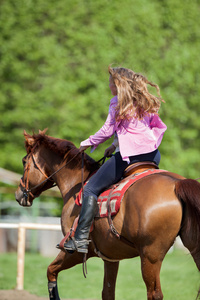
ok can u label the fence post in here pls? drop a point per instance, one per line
(21, 244)
(20, 257)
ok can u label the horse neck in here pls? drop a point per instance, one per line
(69, 182)
(69, 178)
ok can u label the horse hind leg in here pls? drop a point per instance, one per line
(188, 242)
(151, 276)
(110, 276)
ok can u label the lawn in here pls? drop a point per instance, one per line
(180, 278)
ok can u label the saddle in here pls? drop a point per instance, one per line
(116, 192)
(139, 167)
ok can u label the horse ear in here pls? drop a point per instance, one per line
(25, 134)
(29, 139)
(43, 131)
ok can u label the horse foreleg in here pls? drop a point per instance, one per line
(110, 276)
(52, 274)
(62, 262)
(53, 290)
(151, 276)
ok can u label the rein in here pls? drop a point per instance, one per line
(28, 191)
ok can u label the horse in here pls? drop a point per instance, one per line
(154, 211)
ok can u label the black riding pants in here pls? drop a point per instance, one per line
(112, 170)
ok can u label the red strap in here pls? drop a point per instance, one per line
(69, 234)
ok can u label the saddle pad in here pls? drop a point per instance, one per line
(116, 193)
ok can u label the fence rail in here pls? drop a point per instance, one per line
(39, 226)
(21, 244)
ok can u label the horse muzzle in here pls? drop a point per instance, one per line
(22, 197)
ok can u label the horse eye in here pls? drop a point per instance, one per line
(24, 160)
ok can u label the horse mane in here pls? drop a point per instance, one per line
(63, 148)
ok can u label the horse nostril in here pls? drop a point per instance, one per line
(25, 194)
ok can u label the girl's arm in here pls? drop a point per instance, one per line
(114, 147)
(106, 131)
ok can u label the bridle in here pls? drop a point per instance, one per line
(25, 184)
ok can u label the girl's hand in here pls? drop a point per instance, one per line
(83, 148)
(108, 152)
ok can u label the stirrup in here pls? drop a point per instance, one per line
(76, 245)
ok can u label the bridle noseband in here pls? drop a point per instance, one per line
(25, 184)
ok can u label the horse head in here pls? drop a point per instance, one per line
(46, 156)
(35, 179)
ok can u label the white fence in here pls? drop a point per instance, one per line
(21, 244)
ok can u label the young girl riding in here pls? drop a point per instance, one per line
(133, 120)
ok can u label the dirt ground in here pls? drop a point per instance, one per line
(21, 295)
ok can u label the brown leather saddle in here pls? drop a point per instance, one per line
(139, 167)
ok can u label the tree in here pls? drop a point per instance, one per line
(53, 70)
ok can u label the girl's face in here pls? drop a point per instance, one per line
(112, 86)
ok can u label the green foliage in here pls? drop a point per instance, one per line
(179, 277)
(53, 70)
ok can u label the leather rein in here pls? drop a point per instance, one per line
(28, 191)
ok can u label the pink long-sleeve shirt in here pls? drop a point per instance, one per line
(135, 136)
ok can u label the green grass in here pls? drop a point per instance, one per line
(179, 277)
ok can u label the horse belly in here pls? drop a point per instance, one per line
(108, 244)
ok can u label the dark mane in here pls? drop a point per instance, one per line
(57, 145)
(63, 148)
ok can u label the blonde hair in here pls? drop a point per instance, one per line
(133, 95)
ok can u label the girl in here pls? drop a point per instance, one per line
(133, 119)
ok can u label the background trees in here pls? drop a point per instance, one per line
(53, 70)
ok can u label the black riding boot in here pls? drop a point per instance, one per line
(80, 241)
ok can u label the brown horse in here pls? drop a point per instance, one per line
(154, 211)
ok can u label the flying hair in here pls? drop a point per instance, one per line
(133, 95)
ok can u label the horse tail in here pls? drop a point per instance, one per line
(188, 191)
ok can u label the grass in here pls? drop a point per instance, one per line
(179, 277)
